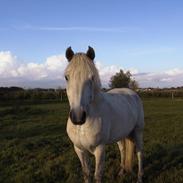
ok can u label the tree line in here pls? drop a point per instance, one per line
(120, 80)
(18, 93)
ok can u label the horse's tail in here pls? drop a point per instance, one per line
(129, 155)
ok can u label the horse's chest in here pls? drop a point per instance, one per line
(85, 136)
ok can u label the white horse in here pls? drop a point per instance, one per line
(97, 118)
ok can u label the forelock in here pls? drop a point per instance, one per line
(83, 66)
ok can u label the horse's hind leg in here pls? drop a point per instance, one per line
(121, 145)
(138, 139)
(84, 159)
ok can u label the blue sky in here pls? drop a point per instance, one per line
(146, 34)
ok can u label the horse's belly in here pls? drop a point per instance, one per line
(121, 128)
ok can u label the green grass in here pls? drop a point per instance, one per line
(34, 147)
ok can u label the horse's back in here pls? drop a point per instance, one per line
(125, 91)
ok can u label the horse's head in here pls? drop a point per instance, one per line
(82, 83)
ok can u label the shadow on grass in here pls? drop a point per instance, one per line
(162, 159)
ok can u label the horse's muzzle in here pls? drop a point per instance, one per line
(77, 116)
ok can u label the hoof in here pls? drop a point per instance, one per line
(139, 180)
(121, 172)
(98, 181)
(140, 176)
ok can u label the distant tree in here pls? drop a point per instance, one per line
(133, 84)
(123, 80)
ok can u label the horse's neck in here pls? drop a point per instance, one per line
(98, 96)
(98, 99)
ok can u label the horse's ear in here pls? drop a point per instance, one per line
(90, 53)
(69, 54)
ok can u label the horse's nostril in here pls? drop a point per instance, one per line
(71, 115)
(83, 119)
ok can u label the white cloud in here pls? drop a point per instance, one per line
(80, 28)
(174, 72)
(50, 73)
(170, 78)
(106, 72)
(13, 70)
(8, 64)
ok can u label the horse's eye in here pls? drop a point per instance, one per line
(66, 78)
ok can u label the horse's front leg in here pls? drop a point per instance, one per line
(99, 154)
(84, 159)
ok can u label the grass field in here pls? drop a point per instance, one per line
(34, 147)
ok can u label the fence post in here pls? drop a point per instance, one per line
(172, 95)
